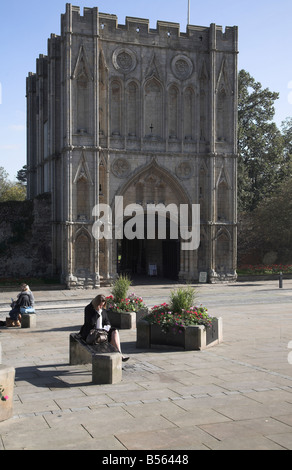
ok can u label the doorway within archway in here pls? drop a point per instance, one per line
(156, 257)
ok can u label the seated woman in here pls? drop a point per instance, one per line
(24, 299)
(95, 316)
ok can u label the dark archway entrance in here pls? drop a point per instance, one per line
(140, 256)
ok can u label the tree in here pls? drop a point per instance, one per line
(10, 191)
(273, 220)
(3, 181)
(287, 136)
(260, 143)
(22, 175)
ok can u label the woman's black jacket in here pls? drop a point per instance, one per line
(90, 319)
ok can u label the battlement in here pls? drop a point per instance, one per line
(107, 26)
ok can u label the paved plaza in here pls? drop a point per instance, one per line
(237, 395)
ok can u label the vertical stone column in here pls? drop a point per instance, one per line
(212, 162)
(96, 152)
(66, 57)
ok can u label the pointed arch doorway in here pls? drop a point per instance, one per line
(152, 185)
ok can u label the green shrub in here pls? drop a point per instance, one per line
(121, 287)
(182, 299)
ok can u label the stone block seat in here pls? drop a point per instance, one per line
(106, 362)
(28, 320)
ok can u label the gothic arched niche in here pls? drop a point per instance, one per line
(223, 104)
(83, 200)
(153, 111)
(83, 82)
(116, 108)
(132, 109)
(189, 114)
(82, 253)
(223, 251)
(223, 196)
(173, 107)
(103, 76)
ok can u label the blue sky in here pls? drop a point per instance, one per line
(265, 48)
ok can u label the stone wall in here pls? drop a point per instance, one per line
(26, 238)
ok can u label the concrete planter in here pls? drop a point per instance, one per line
(193, 338)
(7, 376)
(122, 320)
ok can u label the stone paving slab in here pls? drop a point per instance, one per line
(237, 395)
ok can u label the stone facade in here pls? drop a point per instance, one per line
(147, 114)
(26, 239)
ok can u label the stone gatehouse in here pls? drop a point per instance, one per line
(147, 114)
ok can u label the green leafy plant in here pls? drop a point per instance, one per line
(182, 299)
(121, 287)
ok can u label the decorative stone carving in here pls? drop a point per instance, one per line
(182, 67)
(124, 60)
(121, 168)
(185, 170)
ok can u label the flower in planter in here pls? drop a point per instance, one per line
(3, 397)
(179, 314)
(171, 321)
(133, 303)
(119, 299)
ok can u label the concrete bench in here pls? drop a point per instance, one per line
(106, 362)
(28, 320)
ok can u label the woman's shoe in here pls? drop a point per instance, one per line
(125, 358)
(9, 322)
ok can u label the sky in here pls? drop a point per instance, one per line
(265, 46)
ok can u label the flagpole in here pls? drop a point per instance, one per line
(189, 10)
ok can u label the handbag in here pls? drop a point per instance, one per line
(96, 336)
(27, 310)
